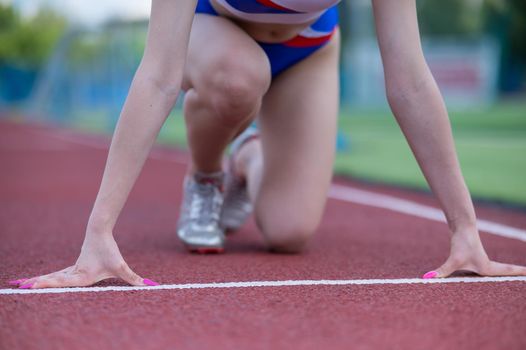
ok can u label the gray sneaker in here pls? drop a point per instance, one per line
(198, 225)
(236, 206)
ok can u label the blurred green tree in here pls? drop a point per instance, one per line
(28, 42)
(506, 21)
(450, 18)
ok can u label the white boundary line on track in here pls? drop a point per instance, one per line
(349, 194)
(339, 192)
(252, 284)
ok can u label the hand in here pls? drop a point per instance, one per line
(468, 254)
(99, 259)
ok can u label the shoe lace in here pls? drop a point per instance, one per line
(206, 202)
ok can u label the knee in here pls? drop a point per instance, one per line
(236, 90)
(288, 236)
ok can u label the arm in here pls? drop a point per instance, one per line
(152, 95)
(153, 92)
(419, 109)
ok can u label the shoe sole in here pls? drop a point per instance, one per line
(207, 250)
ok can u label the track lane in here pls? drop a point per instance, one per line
(47, 195)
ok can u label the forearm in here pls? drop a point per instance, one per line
(152, 94)
(420, 111)
(143, 114)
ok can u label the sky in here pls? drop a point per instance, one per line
(88, 12)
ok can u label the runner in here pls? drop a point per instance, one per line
(274, 60)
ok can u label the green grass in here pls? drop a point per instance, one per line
(491, 145)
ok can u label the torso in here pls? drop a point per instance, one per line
(272, 21)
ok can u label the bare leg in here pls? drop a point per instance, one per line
(226, 76)
(289, 170)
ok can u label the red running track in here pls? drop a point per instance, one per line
(48, 181)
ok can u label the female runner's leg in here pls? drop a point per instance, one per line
(288, 172)
(226, 76)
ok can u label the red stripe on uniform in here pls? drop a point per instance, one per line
(270, 4)
(302, 41)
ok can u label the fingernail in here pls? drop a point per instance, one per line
(430, 274)
(26, 286)
(150, 282)
(17, 282)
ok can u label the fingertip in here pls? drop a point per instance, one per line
(430, 274)
(26, 286)
(149, 282)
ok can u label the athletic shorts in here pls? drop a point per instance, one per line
(286, 54)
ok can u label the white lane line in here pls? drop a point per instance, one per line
(348, 194)
(254, 284)
(339, 192)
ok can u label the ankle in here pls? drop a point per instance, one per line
(215, 178)
(193, 170)
(245, 156)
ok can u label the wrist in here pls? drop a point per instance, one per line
(466, 231)
(460, 227)
(99, 225)
(462, 224)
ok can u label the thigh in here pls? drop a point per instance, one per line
(298, 123)
(221, 51)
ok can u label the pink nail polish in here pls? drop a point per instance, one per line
(430, 274)
(150, 282)
(17, 282)
(26, 286)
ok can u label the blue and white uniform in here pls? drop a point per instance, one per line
(283, 55)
